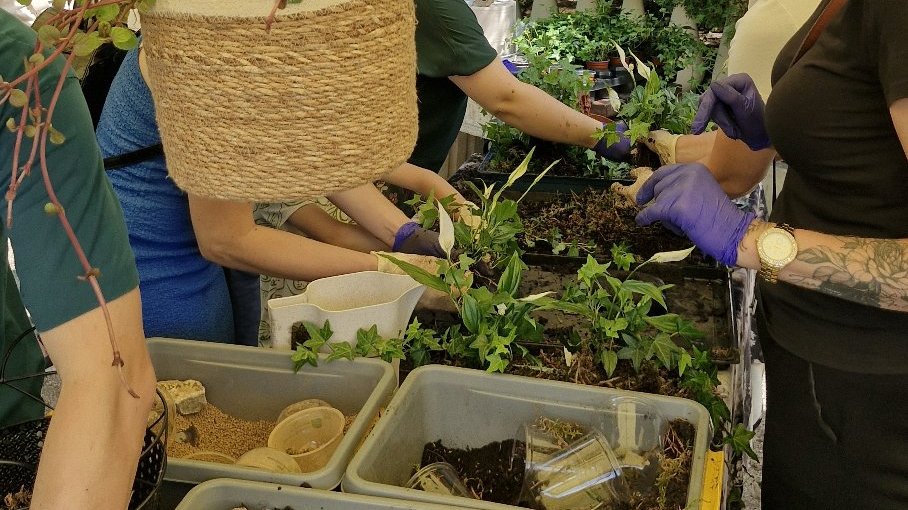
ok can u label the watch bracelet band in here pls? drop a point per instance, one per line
(767, 272)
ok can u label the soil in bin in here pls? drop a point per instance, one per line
(572, 161)
(214, 430)
(600, 217)
(495, 472)
(703, 302)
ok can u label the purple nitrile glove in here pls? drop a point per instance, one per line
(618, 149)
(412, 238)
(734, 103)
(687, 198)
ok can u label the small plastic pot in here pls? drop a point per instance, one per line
(301, 405)
(439, 478)
(269, 459)
(309, 436)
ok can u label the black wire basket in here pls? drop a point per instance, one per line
(21, 444)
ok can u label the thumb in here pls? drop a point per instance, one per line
(649, 215)
(704, 112)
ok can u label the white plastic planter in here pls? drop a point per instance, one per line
(255, 384)
(349, 302)
(227, 494)
(470, 409)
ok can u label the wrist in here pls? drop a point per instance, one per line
(404, 233)
(748, 255)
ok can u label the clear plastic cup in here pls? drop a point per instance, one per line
(309, 436)
(439, 478)
(633, 427)
(582, 475)
(301, 405)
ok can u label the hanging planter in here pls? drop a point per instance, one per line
(257, 114)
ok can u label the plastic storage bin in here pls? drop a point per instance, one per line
(471, 408)
(227, 494)
(254, 384)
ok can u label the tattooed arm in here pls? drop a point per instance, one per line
(869, 271)
(872, 272)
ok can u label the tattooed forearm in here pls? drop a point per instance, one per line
(868, 271)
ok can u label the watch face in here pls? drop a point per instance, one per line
(777, 245)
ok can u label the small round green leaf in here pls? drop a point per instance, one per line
(87, 44)
(50, 208)
(36, 59)
(49, 35)
(17, 98)
(55, 136)
(11, 125)
(30, 131)
(123, 38)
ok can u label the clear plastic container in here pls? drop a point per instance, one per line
(439, 478)
(309, 436)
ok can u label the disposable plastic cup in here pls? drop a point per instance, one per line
(582, 475)
(301, 405)
(439, 478)
(309, 436)
(269, 459)
(212, 456)
(633, 427)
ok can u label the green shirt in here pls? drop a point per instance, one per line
(449, 42)
(46, 262)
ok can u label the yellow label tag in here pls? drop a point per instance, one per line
(714, 473)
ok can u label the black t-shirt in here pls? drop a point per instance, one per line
(828, 116)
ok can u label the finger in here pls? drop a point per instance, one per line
(704, 112)
(736, 102)
(650, 215)
(648, 190)
(671, 227)
(724, 118)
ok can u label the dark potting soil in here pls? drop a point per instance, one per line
(493, 472)
(600, 217)
(571, 161)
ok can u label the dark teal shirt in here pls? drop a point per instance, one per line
(449, 42)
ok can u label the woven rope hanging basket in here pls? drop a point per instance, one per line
(324, 102)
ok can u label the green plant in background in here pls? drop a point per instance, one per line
(651, 106)
(617, 314)
(560, 79)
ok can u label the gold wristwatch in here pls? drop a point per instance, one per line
(776, 247)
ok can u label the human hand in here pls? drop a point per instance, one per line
(427, 263)
(412, 238)
(663, 144)
(437, 300)
(686, 198)
(464, 214)
(734, 103)
(629, 192)
(617, 150)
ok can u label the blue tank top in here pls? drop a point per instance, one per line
(183, 294)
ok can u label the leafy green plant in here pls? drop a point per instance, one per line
(651, 106)
(559, 79)
(368, 344)
(492, 320)
(493, 240)
(617, 314)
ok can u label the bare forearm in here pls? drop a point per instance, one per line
(227, 236)
(737, 168)
(422, 181)
(527, 108)
(371, 210)
(862, 270)
(93, 444)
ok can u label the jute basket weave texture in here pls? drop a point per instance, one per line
(325, 102)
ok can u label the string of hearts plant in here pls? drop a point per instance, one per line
(71, 35)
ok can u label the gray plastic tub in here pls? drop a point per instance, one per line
(253, 383)
(470, 408)
(229, 494)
